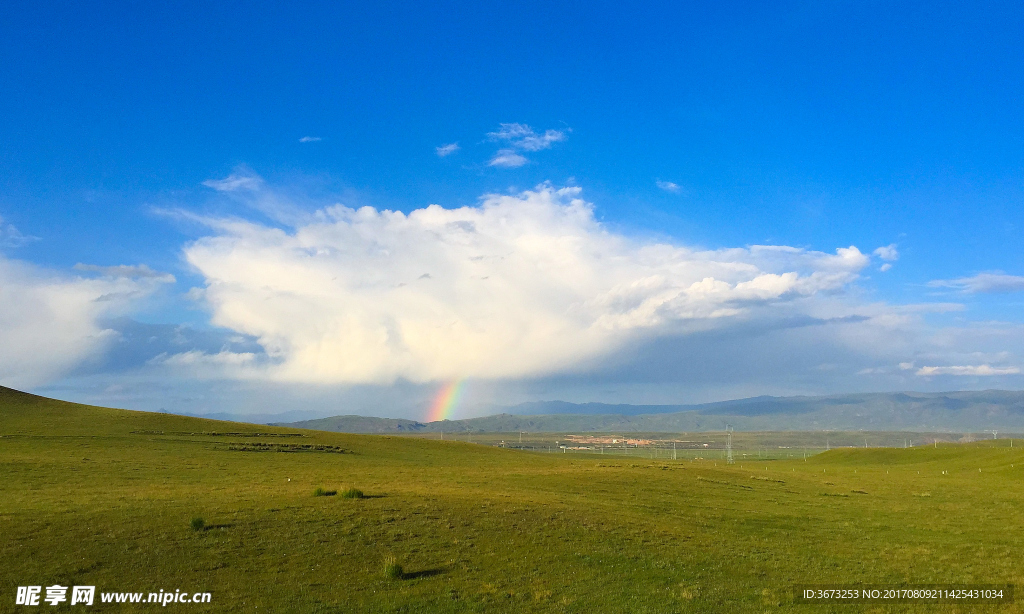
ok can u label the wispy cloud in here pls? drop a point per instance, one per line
(507, 158)
(446, 150)
(241, 179)
(888, 253)
(668, 186)
(992, 282)
(981, 370)
(246, 187)
(140, 271)
(523, 137)
(520, 137)
(511, 132)
(10, 237)
(310, 139)
(535, 142)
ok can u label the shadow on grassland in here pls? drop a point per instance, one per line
(426, 573)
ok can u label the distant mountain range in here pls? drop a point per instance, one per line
(974, 411)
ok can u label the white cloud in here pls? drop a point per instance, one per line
(10, 237)
(50, 324)
(885, 267)
(982, 283)
(245, 187)
(310, 139)
(523, 137)
(888, 253)
(669, 186)
(199, 365)
(520, 137)
(983, 370)
(123, 270)
(522, 285)
(195, 357)
(446, 150)
(507, 158)
(537, 142)
(511, 132)
(241, 179)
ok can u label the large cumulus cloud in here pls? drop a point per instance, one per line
(522, 285)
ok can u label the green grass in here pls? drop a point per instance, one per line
(392, 570)
(320, 492)
(104, 497)
(352, 493)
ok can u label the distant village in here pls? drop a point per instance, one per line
(586, 442)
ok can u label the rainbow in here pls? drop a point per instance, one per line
(445, 401)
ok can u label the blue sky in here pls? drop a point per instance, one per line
(815, 126)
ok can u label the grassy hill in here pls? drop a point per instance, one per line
(105, 497)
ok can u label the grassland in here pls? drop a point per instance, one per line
(106, 497)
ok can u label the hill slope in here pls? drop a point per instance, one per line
(104, 497)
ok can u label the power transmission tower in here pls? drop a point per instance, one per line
(728, 444)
